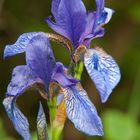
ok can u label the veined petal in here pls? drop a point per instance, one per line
(40, 58)
(18, 119)
(41, 124)
(71, 17)
(103, 71)
(20, 45)
(99, 8)
(105, 16)
(22, 79)
(81, 111)
(62, 78)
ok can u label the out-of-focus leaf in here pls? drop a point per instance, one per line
(119, 126)
(3, 135)
(135, 12)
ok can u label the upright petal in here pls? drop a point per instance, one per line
(99, 9)
(20, 45)
(103, 71)
(40, 58)
(22, 78)
(71, 17)
(55, 7)
(81, 111)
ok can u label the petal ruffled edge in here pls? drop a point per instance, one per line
(20, 45)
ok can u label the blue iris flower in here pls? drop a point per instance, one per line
(79, 27)
(74, 22)
(42, 69)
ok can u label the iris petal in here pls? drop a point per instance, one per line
(41, 124)
(62, 78)
(18, 119)
(57, 28)
(22, 78)
(106, 16)
(81, 111)
(71, 17)
(20, 45)
(40, 58)
(103, 71)
(55, 7)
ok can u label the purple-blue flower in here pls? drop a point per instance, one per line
(80, 27)
(41, 68)
(77, 28)
(74, 22)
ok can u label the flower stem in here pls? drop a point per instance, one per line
(52, 113)
(58, 114)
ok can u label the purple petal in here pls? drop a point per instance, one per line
(41, 124)
(55, 8)
(40, 58)
(62, 78)
(57, 28)
(103, 71)
(99, 9)
(20, 45)
(71, 17)
(18, 119)
(22, 78)
(81, 111)
(88, 30)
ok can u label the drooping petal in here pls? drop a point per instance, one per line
(60, 76)
(22, 79)
(41, 124)
(105, 16)
(40, 58)
(20, 45)
(18, 119)
(103, 71)
(71, 17)
(81, 111)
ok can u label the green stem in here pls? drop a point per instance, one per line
(56, 128)
(52, 113)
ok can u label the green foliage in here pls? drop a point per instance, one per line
(135, 12)
(120, 126)
(3, 134)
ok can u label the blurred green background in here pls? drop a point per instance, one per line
(121, 113)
